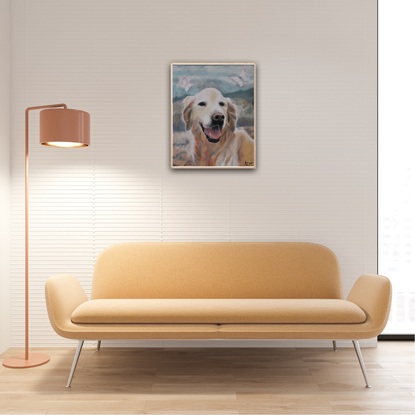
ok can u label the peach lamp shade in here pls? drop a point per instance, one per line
(64, 127)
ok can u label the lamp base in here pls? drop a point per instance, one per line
(19, 362)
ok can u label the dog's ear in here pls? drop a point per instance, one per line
(187, 111)
(231, 115)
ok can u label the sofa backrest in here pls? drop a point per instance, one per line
(217, 270)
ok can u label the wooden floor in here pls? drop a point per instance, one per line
(214, 381)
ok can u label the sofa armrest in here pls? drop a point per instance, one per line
(373, 293)
(63, 294)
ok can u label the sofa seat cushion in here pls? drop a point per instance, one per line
(218, 311)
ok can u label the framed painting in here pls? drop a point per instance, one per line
(213, 115)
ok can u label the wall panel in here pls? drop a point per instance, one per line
(5, 76)
(316, 119)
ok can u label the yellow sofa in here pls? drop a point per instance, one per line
(218, 290)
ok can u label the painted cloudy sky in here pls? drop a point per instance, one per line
(229, 79)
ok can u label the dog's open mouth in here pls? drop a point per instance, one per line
(212, 133)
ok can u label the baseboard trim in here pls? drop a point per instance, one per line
(396, 337)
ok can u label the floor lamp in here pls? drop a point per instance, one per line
(59, 127)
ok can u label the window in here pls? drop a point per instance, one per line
(397, 159)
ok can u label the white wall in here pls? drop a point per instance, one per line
(4, 173)
(316, 132)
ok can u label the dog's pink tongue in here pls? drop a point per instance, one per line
(213, 132)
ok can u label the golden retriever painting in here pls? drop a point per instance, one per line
(205, 122)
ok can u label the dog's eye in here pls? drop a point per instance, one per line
(202, 104)
(222, 104)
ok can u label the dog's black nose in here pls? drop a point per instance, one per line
(218, 117)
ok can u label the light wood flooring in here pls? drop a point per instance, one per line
(214, 381)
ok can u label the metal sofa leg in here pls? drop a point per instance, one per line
(335, 345)
(75, 362)
(361, 362)
(99, 346)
